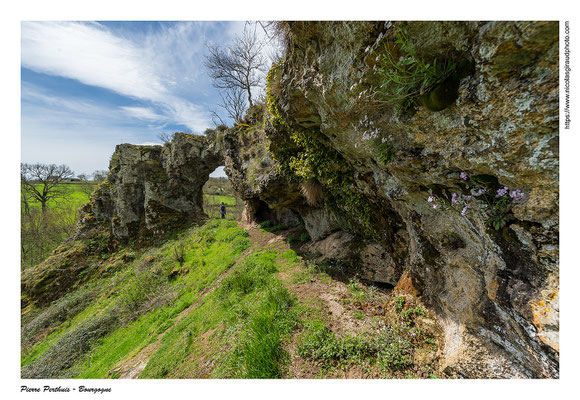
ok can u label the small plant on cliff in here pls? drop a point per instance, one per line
(385, 152)
(399, 304)
(403, 74)
(493, 204)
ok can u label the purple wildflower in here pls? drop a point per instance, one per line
(465, 211)
(516, 194)
(502, 192)
(435, 206)
(454, 198)
(463, 175)
(480, 192)
(430, 199)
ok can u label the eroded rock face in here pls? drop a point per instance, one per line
(495, 291)
(150, 189)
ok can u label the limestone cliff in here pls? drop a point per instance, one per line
(450, 195)
(358, 172)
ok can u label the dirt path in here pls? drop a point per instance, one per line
(333, 301)
(329, 298)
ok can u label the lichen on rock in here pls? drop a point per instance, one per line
(495, 291)
(153, 189)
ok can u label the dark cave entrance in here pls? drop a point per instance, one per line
(261, 211)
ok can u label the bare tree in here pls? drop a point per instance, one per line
(277, 37)
(240, 66)
(86, 185)
(166, 137)
(233, 103)
(100, 175)
(217, 119)
(42, 182)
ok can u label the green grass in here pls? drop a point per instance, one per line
(246, 318)
(242, 318)
(146, 295)
(75, 197)
(218, 199)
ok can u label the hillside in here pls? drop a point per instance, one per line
(222, 301)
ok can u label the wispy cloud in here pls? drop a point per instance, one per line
(161, 67)
(91, 54)
(143, 113)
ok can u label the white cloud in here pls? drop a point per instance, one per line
(92, 55)
(144, 113)
(33, 94)
(161, 67)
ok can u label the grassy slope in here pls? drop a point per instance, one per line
(234, 308)
(149, 292)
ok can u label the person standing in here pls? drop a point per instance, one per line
(223, 210)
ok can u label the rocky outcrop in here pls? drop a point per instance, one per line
(151, 189)
(490, 272)
(414, 195)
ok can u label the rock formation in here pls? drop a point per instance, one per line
(358, 172)
(150, 189)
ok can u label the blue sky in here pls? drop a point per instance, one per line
(87, 86)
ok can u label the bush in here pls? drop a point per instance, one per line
(179, 252)
(265, 224)
(58, 360)
(57, 313)
(388, 349)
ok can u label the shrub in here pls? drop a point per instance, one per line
(389, 350)
(293, 239)
(179, 252)
(57, 313)
(58, 360)
(399, 304)
(265, 224)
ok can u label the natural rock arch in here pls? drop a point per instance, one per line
(151, 189)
